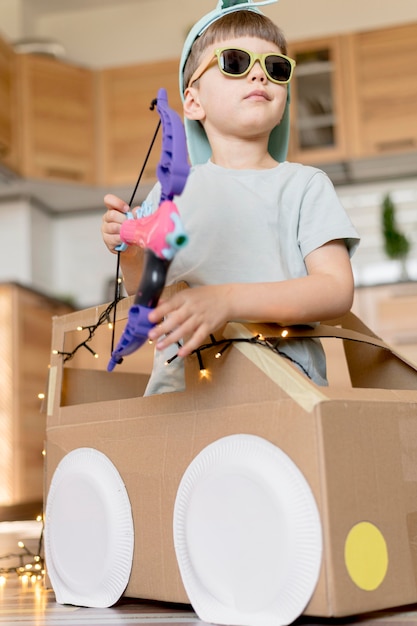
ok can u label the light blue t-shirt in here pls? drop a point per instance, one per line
(252, 226)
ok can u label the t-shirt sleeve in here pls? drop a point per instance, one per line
(323, 218)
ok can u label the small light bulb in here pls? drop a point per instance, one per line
(79, 327)
(284, 333)
(20, 544)
(55, 352)
(41, 396)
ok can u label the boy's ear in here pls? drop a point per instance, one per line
(193, 109)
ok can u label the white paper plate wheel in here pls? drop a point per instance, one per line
(89, 533)
(247, 534)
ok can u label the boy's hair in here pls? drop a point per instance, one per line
(236, 24)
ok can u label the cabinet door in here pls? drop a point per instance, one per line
(25, 335)
(318, 127)
(57, 125)
(385, 90)
(8, 124)
(391, 311)
(127, 125)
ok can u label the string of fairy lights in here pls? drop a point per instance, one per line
(221, 345)
(29, 566)
(104, 318)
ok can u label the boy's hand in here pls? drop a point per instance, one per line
(111, 224)
(191, 315)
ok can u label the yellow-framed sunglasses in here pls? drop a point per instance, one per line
(237, 62)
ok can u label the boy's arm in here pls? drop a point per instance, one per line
(327, 292)
(132, 266)
(131, 260)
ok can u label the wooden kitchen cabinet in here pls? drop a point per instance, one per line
(383, 88)
(57, 120)
(353, 96)
(318, 108)
(25, 338)
(126, 123)
(391, 312)
(8, 122)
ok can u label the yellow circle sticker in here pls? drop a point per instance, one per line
(366, 556)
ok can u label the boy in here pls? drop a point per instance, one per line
(268, 240)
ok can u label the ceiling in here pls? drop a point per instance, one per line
(45, 7)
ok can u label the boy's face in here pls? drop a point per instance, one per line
(245, 107)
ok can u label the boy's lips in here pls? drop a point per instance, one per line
(258, 93)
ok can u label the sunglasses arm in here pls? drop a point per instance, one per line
(204, 65)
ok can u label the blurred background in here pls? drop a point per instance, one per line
(76, 81)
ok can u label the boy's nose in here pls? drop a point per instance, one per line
(257, 72)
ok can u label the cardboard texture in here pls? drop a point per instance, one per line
(354, 442)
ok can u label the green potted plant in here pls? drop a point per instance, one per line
(396, 244)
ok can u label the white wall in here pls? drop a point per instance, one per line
(15, 242)
(27, 244)
(60, 255)
(83, 265)
(43, 249)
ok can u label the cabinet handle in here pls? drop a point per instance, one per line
(56, 172)
(398, 144)
(4, 149)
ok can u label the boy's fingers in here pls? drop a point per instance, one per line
(113, 202)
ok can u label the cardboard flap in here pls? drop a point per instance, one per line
(372, 363)
(281, 371)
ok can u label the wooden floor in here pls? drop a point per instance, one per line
(31, 604)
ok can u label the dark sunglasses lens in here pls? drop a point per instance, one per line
(234, 62)
(278, 68)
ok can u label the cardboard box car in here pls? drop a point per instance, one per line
(354, 443)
